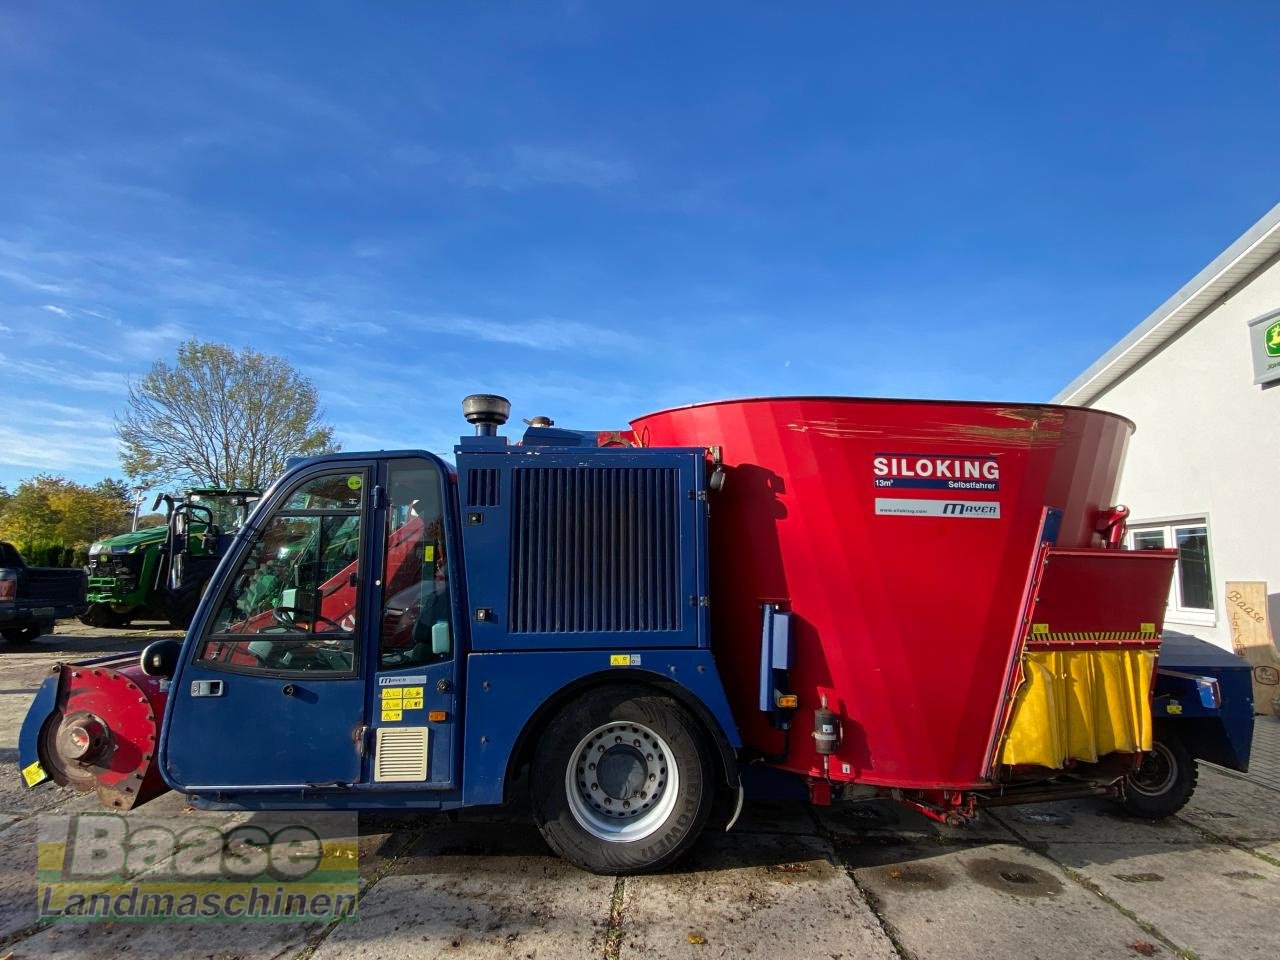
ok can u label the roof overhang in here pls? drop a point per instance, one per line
(1259, 244)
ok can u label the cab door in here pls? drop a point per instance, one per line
(272, 691)
(414, 709)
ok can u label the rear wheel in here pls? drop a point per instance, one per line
(623, 780)
(1164, 783)
(180, 606)
(16, 635)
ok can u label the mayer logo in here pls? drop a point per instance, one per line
(936, 471)
(971, 509)
(1272, 339)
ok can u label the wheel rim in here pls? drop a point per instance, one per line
(621, 782)
(1157, 773)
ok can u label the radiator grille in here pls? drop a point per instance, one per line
(482, 488)
(595, 549)
(400, 755)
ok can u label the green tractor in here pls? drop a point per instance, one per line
(160, 573)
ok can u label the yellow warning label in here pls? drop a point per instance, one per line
(412, 691)
(1147, 627)
(33, 773)
(620, 660)
(1039, 628)
(389, 714)
(392, 693)
(413, 703)
(429, 552)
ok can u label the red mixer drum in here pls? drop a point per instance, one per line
(902, 535)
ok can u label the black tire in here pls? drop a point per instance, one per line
(652, 737)
(180, 607)
(1164, 783)
(101, 615)
(19, 635)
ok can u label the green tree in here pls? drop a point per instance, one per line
(219, 417)
(54, 510)
(29, 515)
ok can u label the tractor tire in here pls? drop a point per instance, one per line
(101, 615)
(623, 780)
(21, 635)
(1164, 783)
(180, 607)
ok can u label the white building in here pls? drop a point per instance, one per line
(1203, 470)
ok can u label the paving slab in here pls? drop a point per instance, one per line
(18, 869)
(1091, 820)
(740, 895)
(1227, 806)
(1212, 899)
(993, 902)
(208, 941)
(477, 890)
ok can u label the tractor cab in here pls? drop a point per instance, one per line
(160, 572)
(336, 606)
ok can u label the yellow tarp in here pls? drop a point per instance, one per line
(1080, 705)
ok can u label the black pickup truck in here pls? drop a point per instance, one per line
(32, 598)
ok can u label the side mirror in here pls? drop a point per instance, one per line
(441, 640)
(160, 659)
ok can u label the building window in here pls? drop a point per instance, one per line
(1191, 597)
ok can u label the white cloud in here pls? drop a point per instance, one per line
(532, 166)
(55, 310)
(537, 334)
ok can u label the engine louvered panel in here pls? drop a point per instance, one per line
(482, 488)
(595, 549)
(400, 755)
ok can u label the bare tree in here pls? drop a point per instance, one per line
(220, 418)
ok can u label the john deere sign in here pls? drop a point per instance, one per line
(1264, 341)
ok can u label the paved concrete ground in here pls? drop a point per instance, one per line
(1067, 880)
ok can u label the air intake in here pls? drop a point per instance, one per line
(595, 550)
(400, 755)
(482, 488)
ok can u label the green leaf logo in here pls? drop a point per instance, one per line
(1272, 339)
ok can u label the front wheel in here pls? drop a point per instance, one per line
(106, 615)
(1164, 783)
(623, 780)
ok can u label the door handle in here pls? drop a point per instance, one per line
(206, 688)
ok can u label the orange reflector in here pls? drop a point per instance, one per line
(436, 716)
(788, 701)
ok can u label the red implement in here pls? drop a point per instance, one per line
(103, 735)
(903, 536)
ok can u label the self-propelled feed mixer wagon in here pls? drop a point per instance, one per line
(924, 600)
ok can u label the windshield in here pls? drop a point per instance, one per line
(229, 511)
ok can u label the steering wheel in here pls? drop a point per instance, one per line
(287, 618)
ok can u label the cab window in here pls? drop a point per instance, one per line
(293, 602)
(417, 615)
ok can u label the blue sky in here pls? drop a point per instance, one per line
(604, 209)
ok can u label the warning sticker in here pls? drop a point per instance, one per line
(33, 774)
(390, 714)
(624, 660)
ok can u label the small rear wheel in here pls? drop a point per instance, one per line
(1164, 783)
(623, 780)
